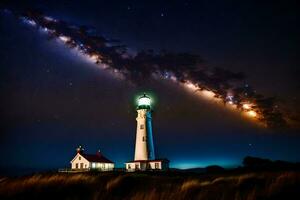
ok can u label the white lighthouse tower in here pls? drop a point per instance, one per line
(144, 148)
(144, 156)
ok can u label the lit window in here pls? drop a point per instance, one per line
(142, 126)
(156, 165)
(93, 165)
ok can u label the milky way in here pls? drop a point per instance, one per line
(217, 84)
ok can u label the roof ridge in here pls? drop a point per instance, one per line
(96, 158)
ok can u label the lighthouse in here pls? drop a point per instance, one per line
(144, 155)
(144, 147)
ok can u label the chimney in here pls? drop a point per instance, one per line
(99, 153)
(80, 149)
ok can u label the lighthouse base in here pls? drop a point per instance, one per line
(147, 165)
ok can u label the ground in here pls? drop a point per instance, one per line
(154, 185)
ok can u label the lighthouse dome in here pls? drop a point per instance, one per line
(144, 102)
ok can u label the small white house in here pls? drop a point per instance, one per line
(87, 162)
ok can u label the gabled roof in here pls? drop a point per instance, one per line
(96, 158)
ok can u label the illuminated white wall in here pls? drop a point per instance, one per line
(141, 150)
(155, 165)
(148, 165)
(78, 159)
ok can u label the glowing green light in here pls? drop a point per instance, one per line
(144, 101)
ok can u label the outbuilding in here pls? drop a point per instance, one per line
(87, 162)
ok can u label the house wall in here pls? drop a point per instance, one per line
(134, 166)
(150, 165)
(102, 166)
(78, 159)
(81, 162)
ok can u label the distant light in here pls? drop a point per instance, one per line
(49, 18)
(246, 106)
(166, 75)
(64, 38)
(94, 57)
(209, 94)
(191, 85)
(252, 113)
(229, 98)
(31, 22)
(173, 78)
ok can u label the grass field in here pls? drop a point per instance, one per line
(166, 185)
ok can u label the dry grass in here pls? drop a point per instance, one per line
(187, 185)
(113, 183)
(249, 186)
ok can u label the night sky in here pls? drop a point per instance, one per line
(53, 98)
